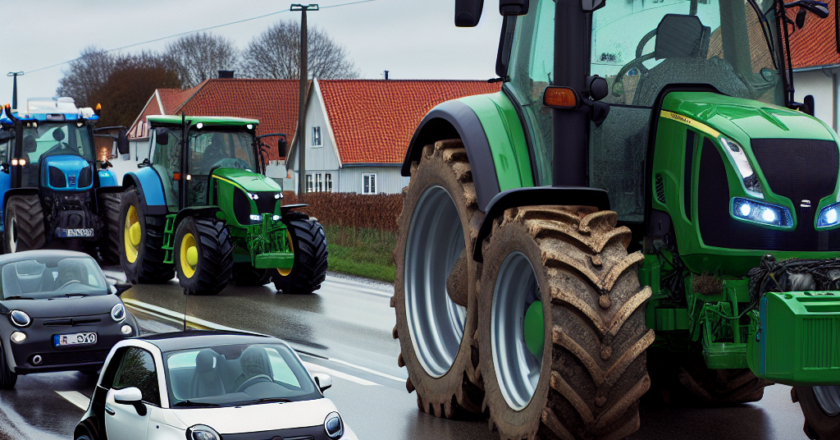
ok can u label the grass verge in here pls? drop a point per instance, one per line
(362, 252)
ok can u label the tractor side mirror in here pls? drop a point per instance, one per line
(592, 5)
(162, 136)
(810, 105)
(122, 141)
(468, 12)
(281, 146)
(513, 7)
(598, 87)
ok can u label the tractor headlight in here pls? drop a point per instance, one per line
(255, 218)
(277, 196)
(748, 177)
(19, 318)
(761, 213)
(118, 312)
(829, 216)
(276, 218)
(202, 432)
(334, 426)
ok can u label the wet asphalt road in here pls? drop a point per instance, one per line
(345, 330)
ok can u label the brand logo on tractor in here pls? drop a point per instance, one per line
(805, 203)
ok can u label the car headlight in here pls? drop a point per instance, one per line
(334, 426)
(17, 337)
(19, 318)
(118, 312)
(761, 213)
(829, 216)
(748, 177)
(202, 432)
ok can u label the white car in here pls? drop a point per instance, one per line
(202, 385)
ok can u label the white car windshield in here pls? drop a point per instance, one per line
(50, 277)
(235, 375)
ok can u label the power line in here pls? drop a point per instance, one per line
(180, 34)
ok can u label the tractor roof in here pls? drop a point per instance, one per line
(217, 121)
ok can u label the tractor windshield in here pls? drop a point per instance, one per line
(49, 139)
(640, 47)
(211, 150)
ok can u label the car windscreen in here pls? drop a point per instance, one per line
(235, 375)
(49, 277)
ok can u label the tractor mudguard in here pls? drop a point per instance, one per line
(107, 178)
(541, 195)
(287, 208)
(493, 137)
(195, 211)
(148, 182)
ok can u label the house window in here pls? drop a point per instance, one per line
(316, 136)
(368, 183)
(309, 183)
(319, 183)
(328, 182)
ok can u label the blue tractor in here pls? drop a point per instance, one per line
(55, 191)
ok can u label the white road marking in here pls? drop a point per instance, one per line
(340, 284)
(169, 314)
(76, 398)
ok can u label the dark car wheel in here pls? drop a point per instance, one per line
(8, 379)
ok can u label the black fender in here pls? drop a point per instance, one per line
(128, 182)
(534, 196)
(287, 208)
(456, 120)
(88, 427)
(195, 211)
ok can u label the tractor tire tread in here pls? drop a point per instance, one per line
(215, 258)
(29, 220)
(109, 245)
(311, 253)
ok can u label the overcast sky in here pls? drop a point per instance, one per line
(414, 39)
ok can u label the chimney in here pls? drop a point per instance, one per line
(228, 74)
(386, 74)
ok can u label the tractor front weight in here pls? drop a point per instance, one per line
(268, 244)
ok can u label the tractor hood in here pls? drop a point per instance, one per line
(247, 181)
(743, 118)
(66, 172)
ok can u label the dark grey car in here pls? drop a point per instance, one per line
(58, 313)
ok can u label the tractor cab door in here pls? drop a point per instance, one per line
(165, 157)
(210, 151)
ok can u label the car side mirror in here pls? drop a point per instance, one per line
(120, 288)
(468, 12)
(513, 7)
(131, 396)
(122, 142)
(162, 136)
(281, 146)
(592, 5)
(324, 381)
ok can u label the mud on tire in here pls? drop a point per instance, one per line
(148, 266)
(457, 390)
(109, 210)
(24, 224)
(310, 248)
(592, 370)
(213, 271)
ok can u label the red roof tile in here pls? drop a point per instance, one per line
(373, 120)
(815, 44)
(173, 98)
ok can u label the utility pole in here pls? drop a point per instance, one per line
(304, 79)
(14, 87)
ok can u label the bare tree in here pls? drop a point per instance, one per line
(199, 57)
(86, 75)
(276, 54)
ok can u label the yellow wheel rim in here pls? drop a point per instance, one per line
(132, 234)
(286, 272)
(189, 255)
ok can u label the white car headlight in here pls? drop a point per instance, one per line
(334, 426)
(829, 216)
(748, 177)
(761, 213)
(202, 432)
(118, 312)
(19, 318)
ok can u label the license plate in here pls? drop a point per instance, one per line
(69, 233)
(87, 338)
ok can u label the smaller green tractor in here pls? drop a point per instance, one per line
(201, 205)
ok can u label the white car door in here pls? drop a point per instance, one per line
(130, 421)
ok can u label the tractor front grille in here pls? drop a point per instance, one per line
(242, 205)
(796, 169)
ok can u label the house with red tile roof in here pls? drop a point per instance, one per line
(815, 53)
(358, 131)
(273, 102)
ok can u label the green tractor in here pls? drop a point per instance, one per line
(201, 206)
(642, 207)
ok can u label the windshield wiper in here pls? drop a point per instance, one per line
(18, 297)
(69, 295)
(273, 399)
(191, 403)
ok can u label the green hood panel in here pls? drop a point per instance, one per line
(246, 180)
(738, 117)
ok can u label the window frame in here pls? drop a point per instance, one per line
(328, 184)
(119, 370)
(316, 136)
(310, 183)
(372, 184)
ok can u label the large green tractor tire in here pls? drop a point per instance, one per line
(203, 255)
(24, 224)
(109, 245)
(246, 275)
(821, 407)
(562, 332)
(309, 244)
(435, 286)
(141, 243)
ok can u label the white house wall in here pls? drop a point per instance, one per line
(819, 83)
(323, 157)
(388, 179)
